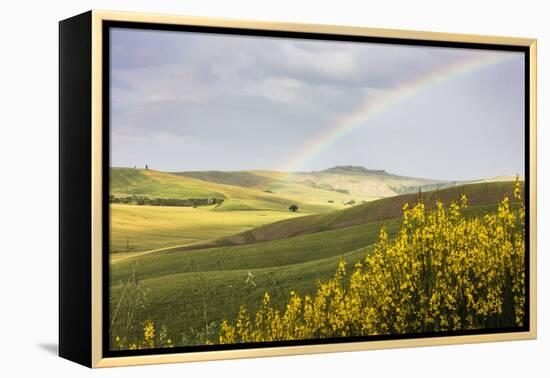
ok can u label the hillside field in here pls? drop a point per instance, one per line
(145, 228)
(189, 268)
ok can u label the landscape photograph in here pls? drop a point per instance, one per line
(266, 189)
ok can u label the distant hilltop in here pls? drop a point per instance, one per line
(356, 169)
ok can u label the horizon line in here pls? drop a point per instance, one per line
(289, 174)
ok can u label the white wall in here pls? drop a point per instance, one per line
(28, 153)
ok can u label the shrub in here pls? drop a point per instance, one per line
(445, 271)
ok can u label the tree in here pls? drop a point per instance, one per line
(293, 208)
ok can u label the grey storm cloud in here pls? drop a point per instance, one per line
(194, 101)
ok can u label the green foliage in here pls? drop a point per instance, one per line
(183, 202)
(445, 270)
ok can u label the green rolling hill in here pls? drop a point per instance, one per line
(191, 290)
(338, 184)
(486, 193)
(155, 184)
(245, 179)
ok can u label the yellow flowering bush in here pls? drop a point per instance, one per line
(445, 270)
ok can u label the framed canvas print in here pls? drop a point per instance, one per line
(235, 189)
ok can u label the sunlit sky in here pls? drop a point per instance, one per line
(191, 101)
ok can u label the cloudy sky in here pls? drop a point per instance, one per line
(191, 101)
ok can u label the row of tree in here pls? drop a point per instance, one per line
(184, 202)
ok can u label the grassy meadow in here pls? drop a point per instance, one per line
(145, 228)
(182, 274)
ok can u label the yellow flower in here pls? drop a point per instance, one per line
(149, 334)
(442, 271)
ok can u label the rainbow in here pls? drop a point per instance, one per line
(370, 108)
